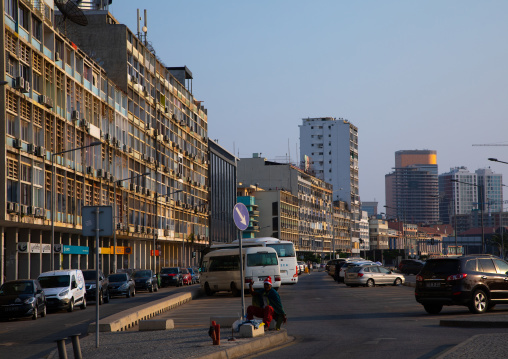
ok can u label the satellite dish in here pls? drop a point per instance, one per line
(71, 11)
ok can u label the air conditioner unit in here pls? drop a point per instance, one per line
(149, 230)
(166, 109)
(107, 137)
(166, 170)
(134, 80)
(10, 207)
(120, 184)
(148, 193)
(125, 148)
(111, 178)
(138, 189)
(30, 148)
(19, 83)
(105, 175)
(141, 229)
(119, 226)
(100, 173)
(76, 115)
(17, 143)
(129, 149)
(24, 209)
(39, 212)
(143, 190)
(26, 89)
(42, 99)
(40, 151)
(166, 232)
(133, 187)
(57, 56)
(89, 170)
(165, 138)
(49, 102)
(151, 159)
(136, 228)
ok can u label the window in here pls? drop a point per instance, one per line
(224, 263)
(24, 17)
(262, 259)
(36, 29)
(11, 66)
(11, 125)
(502, 266)
(11, 9)
(486, 265)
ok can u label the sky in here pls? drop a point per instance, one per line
(411, 75)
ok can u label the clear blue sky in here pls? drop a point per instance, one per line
(409, 74)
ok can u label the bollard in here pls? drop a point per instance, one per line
(76, 347)
(217, 333)
(62, 353)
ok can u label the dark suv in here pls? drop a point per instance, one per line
(476, 281)
(411, 266)
(91, 291)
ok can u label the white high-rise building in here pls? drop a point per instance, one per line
(329, 148)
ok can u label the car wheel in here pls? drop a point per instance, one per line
(128, 295)
(134, 292)
(480, 302)
(156, 287)
(208, 290)
(398, 281)
(150, 289)
(70, 309)
(44, 311)
(106, 299)
(100, 298)
(34, 315)
(433, 308)
(83, 305)
(370, 283)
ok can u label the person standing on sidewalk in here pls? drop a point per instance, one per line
(266, 304)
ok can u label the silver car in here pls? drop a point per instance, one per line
(370, 276)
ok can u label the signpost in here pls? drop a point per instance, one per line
(241, 218)
(97, 221)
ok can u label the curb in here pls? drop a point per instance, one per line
(473, 324)
(254, 346)
(458, 346)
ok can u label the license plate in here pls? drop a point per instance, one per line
(433, 284)
(261, 279)
(283, 271)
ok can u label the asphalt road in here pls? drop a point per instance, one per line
(330, 320)
(26, 338)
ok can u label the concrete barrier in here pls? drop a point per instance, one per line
(129, 318)
(224, 321)
(156, 324)
(249, 331)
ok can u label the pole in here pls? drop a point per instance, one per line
(52, 259)
(97, 229)
(481, 213)
(114, 228)
(242, 279)
(501, 231)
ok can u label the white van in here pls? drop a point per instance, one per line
(64, 289)
(221, 269)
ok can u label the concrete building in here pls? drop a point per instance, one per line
(341, 227)
(315, 228)
(330, 147)
(378, 234)
(457, 198)
(412, 188)
(364, 244)
(246, 196)
(492, 186)
(58, 99)
(371, 208)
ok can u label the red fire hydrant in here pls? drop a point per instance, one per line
(214, 333)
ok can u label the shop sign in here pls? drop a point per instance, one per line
(75, 250)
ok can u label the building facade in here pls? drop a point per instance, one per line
(331, 147)
(315, 228)
(412, 188)
(150, 167)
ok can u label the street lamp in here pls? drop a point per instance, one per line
(481, 208)
(52, 259)
(117, 182)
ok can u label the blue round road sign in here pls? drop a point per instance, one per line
(241, 216)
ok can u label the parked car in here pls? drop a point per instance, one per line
(171, 276)
(186, 276)
(346, 265)
(145, 279)
(64, 289)
(333, 265)
(22, 298)
(121, 284)
(412, 266)
(194, 271)
(90, 283)
(478, 282)
(301, 267)
(371, 275)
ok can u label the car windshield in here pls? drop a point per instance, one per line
(16, 288)
(283, 250)
(441, 266)
(55, 281)
(142, 274)
(89, 274)
(169, 271)
(185, 271)
(261, 259)
(117, 277)
(354, 269)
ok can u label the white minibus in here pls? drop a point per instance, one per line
(220, 270)
(285, 251)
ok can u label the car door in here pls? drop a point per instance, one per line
(376, 275)
(502, 270)
(488, 274)
(385, 275)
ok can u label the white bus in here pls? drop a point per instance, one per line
(285, 251)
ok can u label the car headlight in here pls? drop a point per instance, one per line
(29, 300)
(63, 293)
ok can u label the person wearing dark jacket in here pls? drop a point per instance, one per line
(266, 304)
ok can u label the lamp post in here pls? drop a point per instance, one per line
(481, 208)
(52, 259)
(117, 182)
